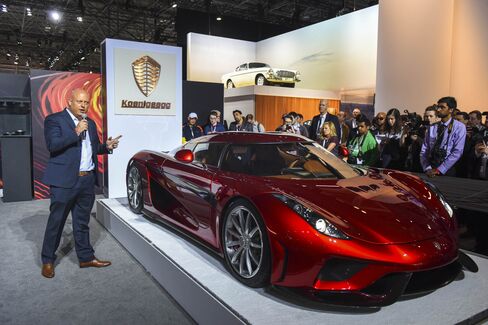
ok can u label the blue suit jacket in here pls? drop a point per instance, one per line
(65, 149)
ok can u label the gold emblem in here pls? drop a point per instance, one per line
(146, 74)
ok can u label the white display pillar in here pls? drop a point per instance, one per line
(414, 53)
(143, 103)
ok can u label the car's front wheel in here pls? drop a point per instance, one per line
(134, 189)
(245, 244)
(260, 80)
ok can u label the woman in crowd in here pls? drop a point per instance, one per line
(328, 138)
(256, 126)
(379, 127)
(390, 145)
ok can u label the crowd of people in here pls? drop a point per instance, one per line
(445, 141)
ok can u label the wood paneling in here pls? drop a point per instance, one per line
(269, 109)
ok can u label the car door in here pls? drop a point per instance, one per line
(192, 184)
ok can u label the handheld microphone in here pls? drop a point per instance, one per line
(83, 134)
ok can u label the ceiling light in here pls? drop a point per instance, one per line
(174, 5)
(218, 18)
(8, 54)
(29, 12)
(19, 41)
(4, 8)
(80, 19)
(82, 58)
(55, 15)
(16, 62)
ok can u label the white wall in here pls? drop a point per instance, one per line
(153, 132)
(469, 70)
(209, 57)
(336, 55)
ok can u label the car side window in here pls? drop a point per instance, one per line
(208, 153)
(243, 67)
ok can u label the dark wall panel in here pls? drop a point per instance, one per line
(201, 98)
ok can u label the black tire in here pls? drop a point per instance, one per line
(289, 85)
(260, 80)
(247, 245)
(230, 84)
(134, 190)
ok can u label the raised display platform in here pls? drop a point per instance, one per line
(200, 283)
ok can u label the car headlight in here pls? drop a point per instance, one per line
(441, 198)
(297, 76)
(317, 221)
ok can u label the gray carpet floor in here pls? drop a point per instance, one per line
(120, 294)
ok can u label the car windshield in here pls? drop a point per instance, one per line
(258, 65)
(286, 160)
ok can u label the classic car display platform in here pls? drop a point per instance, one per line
(198, 281)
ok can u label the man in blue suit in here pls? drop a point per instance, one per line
(73, 144)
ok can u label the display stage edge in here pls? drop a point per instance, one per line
(198, 280)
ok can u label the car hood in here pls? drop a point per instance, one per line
(374, 208)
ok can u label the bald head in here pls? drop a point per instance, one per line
(79, 102)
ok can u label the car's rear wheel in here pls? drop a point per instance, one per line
(134, 189)
(245, 244)
(260, 80)
(230, 84)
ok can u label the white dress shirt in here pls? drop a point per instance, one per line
(86, 163)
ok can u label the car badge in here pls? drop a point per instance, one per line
(437, 245)
(146, 74)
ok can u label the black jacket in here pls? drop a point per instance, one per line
(328, 118)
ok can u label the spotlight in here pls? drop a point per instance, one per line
(19, 41)
(174, 5)
(80, 19)
(82, 58)
(4, 8)
(218, 18)
(8, 54)
(16, 62)
(56, 16)
(28, 11)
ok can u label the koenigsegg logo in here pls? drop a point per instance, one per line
(146, 74)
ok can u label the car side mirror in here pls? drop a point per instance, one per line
(184, 156)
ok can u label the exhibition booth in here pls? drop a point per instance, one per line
(144, 95)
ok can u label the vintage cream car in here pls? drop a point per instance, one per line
(255, 73)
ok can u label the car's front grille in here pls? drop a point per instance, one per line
(285, 74)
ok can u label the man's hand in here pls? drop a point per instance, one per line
(82, 126)
(113, 143)
(480, 148)
(432, 172)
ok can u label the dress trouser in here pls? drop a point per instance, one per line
(79, 200)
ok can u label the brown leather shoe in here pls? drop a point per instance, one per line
(95, 263)
(48, 270)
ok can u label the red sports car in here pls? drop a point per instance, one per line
(282, 210)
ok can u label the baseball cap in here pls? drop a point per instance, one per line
(192, 115)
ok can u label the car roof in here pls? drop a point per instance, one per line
(251, 137)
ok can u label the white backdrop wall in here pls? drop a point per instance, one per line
(209, 57)
(153, 132)
(338, 54)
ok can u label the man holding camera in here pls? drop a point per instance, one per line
(444, 141)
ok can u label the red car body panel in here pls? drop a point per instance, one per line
(395, 223)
